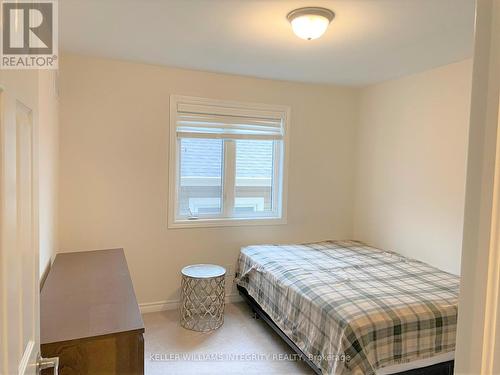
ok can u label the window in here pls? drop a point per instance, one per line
(227, 163)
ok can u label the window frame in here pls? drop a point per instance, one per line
(229, 152)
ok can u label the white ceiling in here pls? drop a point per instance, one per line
(369, 41)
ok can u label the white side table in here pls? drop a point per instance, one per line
(202, 297)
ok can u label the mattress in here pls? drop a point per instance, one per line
(352, 308)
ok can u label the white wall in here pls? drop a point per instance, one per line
(114, 169)
(48, 166)
(411, 161)
(384, 164)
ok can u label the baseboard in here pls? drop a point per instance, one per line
(44, 274)
(149, 307)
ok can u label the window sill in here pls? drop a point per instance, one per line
(234, 222)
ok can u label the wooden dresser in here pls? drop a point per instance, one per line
(89, 316)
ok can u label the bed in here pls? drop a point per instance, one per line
(348, 308)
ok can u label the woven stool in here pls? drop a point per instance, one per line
(202, 297)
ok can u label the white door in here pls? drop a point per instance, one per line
(19, 274)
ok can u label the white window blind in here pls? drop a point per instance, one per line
(202, 121)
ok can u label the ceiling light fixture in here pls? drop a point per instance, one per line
(311, 22)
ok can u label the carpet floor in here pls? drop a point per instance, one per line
(243, 345)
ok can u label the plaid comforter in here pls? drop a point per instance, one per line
(352, 308)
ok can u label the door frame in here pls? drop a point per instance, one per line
(478, 341)
(18, 88)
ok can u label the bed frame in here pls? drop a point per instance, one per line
(443, 368)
